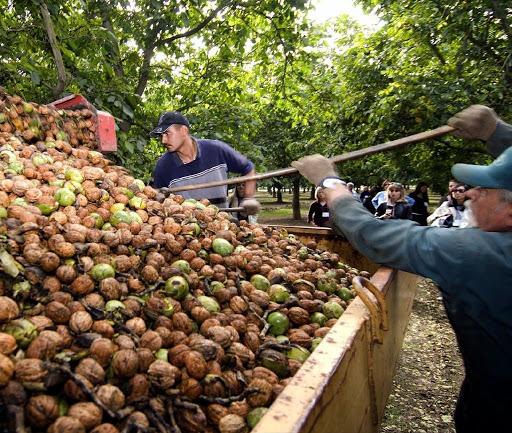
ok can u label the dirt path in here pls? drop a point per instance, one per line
(429, 371)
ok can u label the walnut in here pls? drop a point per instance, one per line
(220, 335)
(125, 363)
(26, 370)
(111, 396)
(163, 375)
(232, 423)
(264, 394)
(42, 410)
(92, 370)
(298, 315)
(6, 369)
(215, 412)
(300, 337)
(87, 413)
(66, 424)
(196, 365)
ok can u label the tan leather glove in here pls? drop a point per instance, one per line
(315, 168)
(475, 122)
(251, 206)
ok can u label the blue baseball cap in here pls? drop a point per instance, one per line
(497, 175)
(166, 120)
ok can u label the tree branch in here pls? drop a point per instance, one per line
(195, 29)
(59, 63)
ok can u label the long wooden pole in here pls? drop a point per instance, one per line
(356, 154)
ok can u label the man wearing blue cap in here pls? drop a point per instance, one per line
(471, 266)
(191, 160)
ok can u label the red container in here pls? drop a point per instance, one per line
(105, 123)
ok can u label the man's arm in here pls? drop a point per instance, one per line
(250, 185)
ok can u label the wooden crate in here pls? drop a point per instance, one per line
(344, 385)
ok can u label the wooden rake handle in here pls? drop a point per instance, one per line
(356, 154)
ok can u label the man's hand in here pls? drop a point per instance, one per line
(475, 122)
(251, 206)
(315, 168)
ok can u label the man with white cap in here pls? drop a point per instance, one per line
(191, 160)
(471, 266)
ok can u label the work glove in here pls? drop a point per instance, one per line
(251, 206)
(315, 168)
(475, 122)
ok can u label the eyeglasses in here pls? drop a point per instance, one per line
(459, 190)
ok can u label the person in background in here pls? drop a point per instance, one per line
(368, 201)
(453, 212)
(471, 266)
(235, 200)
(364, 193)
(381, 197)
(419, 210)
(189, 160)
(396, 207)
(318, 211)
(350, 186)
(452, 184)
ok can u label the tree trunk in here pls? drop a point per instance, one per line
(279, 195)
(296, 199)
(52, 39)
(312, 196)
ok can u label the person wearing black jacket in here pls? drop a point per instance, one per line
(318, 211)
(419, 209)
(396, 207)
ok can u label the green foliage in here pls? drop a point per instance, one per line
(259, 76)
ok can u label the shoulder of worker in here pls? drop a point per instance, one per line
(501, 138)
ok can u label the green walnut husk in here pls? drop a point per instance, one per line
(332, 310)
(177, 287)
(319, 318)
(260, 282)
(65, 197)
(74, 175)
(327, 285)
(119, 217)
(255, 415)
(209, 303)
(278, 322)
(298, 353)
(344, 293)
(278, 293)
(101, 271)
(275, 361)
(114, 305)
(315, 342)
(23, 330)
(222, 246)
(182, 265)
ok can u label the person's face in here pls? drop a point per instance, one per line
(490, 212)
(452, 186)
(394, 194)
(424, 189)
(174, 137)
(459, 194)
(241, 190)
(320, 195)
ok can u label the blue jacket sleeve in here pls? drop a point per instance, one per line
(501, 139)
(436, 253)
(236, 162)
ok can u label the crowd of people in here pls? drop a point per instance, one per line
(391, 201)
